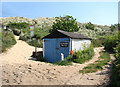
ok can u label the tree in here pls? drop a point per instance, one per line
(67, 23)
(89, 26)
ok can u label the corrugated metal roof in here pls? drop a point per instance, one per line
(63, 34)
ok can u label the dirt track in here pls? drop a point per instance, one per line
(18, 69)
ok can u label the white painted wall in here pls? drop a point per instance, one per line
(77, 44)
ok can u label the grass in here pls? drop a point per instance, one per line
(98, 65)
(67, 61)
(8, 40)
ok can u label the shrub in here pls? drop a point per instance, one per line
(36, 43)
(89, 26)
(16, 32)
(24, 37)
(36, 39)
(83, 56)
(116, 68)
(22, 25)
(99, 42)
(117, 51)
(111, 41)
(8, 40)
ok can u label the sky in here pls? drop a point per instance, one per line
(101, 13)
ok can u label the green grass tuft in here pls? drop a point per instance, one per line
(103, 60)
(67, 61)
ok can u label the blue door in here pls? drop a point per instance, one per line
(50, 50)
(54, 47)
(64, 47)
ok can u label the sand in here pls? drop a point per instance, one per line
(18, 69)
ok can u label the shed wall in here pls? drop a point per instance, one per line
(78, 44)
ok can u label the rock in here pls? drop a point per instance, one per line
(29, 68)
(30, 65)
(6, 80)
(90, 79)
(39, 71)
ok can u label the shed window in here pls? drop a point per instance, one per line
(64, 44)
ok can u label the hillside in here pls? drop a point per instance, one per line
(46, 23)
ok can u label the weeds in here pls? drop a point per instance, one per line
(65, 62)
(98, 65)
(83, 56)
(8, 40)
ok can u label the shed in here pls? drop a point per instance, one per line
(59, 44)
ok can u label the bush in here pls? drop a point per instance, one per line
(36, 39)
(111, 41)
(36, 43)
(24, 37)
(116, 68)
(117, 51)
(89, 26)
(83, 56)
(16, 32)
(22, 25)
(99, 42)
(8, 40)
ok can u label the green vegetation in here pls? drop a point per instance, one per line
(23, 30)
(44, 24)
(67, 23)
(115, 78)
(103, 60)
(78, 57)
(83, 56)
(111, 41)
(114, 27)
(22, 25)
(99, 42)
(36, 39)
(16, 27)
(36, 43)
(90, 26)
(7, 39)
(67, 61)
(112, 44)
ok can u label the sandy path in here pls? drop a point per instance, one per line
(18, 69)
